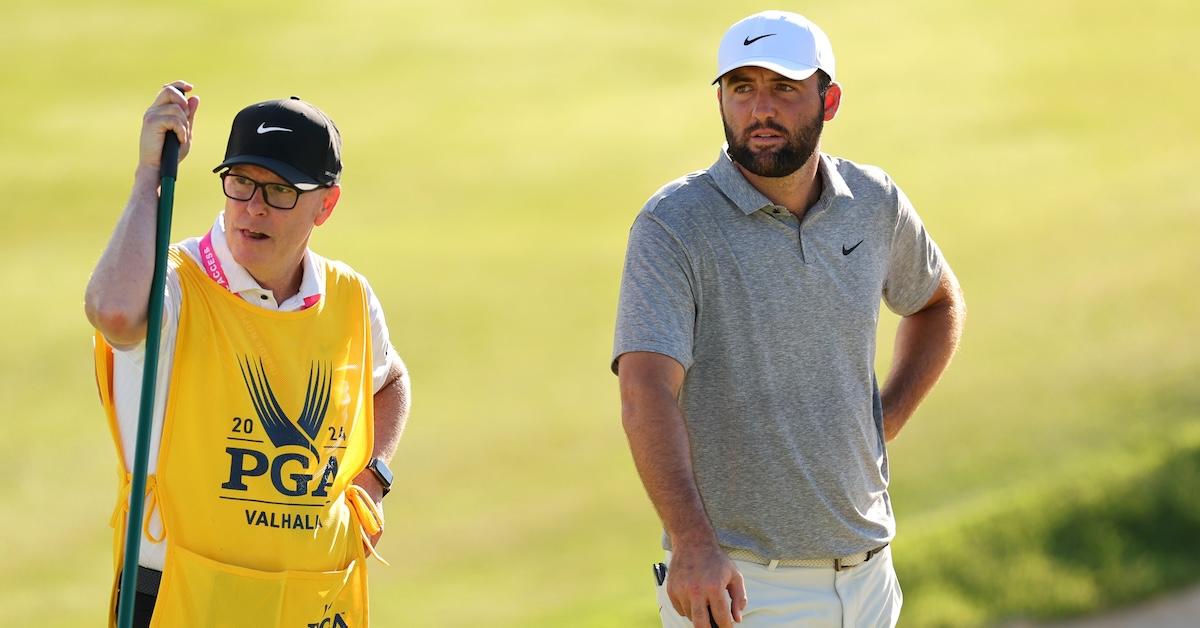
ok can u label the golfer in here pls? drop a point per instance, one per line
(280, 399)
(745, 342)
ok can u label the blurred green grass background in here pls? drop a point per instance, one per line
(496, 154)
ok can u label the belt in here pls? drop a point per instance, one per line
(838, 564)
(147, 581)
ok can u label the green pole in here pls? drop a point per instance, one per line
(141, 456)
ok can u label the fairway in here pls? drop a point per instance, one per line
(495, 155)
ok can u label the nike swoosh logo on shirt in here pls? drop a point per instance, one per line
(263, 128)
(847, 251)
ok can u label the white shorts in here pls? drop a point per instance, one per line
(866, 596)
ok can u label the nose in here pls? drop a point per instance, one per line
(257, 203)
(764, 105)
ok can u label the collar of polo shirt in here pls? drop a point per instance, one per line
(749, 199)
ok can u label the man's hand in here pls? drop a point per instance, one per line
(374, 488)
(703, 582)
(171, 112)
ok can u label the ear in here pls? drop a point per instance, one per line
(327, 204)
(833, 101)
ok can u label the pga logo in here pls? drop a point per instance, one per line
(291, 471)
(248, 463)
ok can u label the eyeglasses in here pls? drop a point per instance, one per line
(242, 188)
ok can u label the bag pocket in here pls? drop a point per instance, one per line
(199, 591)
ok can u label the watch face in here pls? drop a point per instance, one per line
(381, 470)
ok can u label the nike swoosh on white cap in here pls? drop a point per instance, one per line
(263, 128)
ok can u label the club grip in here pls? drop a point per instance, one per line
(170, 156)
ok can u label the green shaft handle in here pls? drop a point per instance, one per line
(141, 455)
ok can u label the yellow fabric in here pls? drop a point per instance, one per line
(369, 515)
(103, 359)
(268, 420)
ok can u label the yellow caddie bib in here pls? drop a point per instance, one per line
(268, 420)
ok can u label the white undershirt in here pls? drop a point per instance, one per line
(128, 364)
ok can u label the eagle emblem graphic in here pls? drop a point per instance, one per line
(279, 428)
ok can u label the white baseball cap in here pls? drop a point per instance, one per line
(779, 41)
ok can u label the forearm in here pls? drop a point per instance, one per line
(390, 408)
(661, 452)
(703, 582)
(119, 288)
(390, 411)
(925, 343)
(391, 405)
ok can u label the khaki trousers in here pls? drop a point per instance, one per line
(866, 596)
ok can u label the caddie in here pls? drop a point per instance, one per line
(745, 348)
(280, 400)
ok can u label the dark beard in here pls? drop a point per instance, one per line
(781, 161)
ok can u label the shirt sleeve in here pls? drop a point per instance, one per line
(656, 311)
(129, 364)
(172, 303)
(915, 264)
(381, 343)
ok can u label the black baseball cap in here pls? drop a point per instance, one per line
(289, 137)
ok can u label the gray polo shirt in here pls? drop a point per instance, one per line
(774, 320)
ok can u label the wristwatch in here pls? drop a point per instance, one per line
(383, 473)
